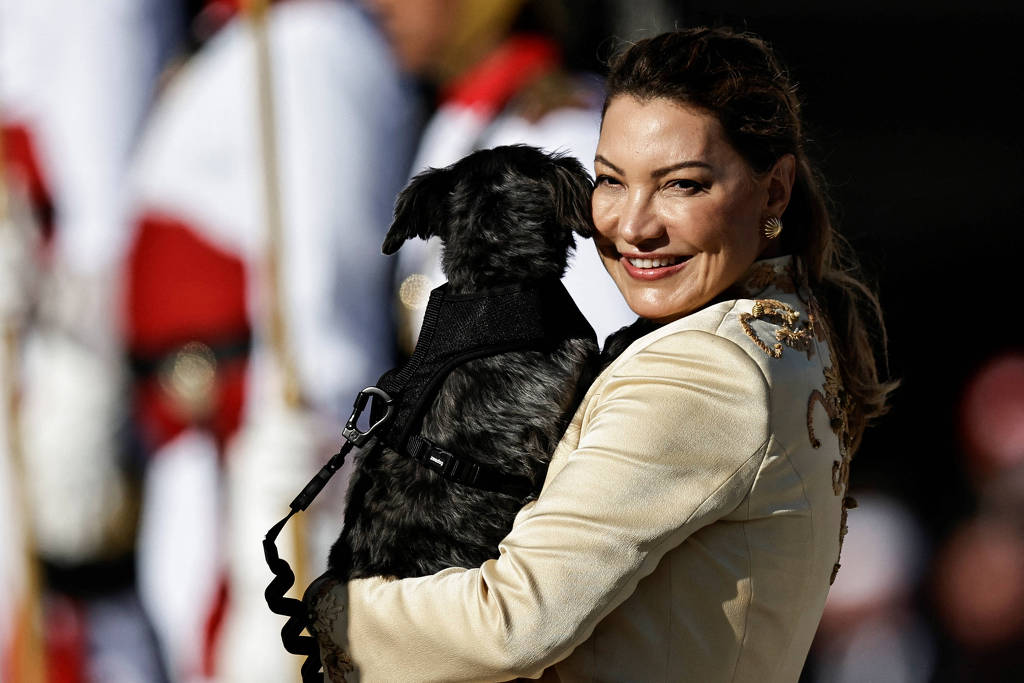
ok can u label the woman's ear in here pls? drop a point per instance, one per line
(780, 185)
(419, 209)
(572, 188)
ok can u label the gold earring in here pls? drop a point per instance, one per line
(772, 227)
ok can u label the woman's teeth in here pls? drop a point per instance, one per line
(653, 262)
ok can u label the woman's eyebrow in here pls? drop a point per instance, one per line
(608, 164)
(657, 173)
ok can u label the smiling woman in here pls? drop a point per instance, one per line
(692, 516)
(718, 109)
(677, 207)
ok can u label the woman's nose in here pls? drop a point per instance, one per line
(638, 223)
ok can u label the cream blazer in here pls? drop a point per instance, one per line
(688, 528)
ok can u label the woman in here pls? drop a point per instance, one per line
(692, 516)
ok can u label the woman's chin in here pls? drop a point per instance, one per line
(658, 312)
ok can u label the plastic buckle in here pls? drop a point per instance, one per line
(452, 468)
(351, 432)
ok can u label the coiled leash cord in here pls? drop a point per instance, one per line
(284, 577)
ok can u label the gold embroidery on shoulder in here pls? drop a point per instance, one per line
(849, 503)
(800, 336)
(837, 405)
(815, 319)
(789, 332)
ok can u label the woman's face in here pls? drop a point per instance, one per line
(678, 211)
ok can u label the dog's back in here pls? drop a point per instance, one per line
(506, 217)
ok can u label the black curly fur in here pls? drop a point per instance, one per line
(505, 216)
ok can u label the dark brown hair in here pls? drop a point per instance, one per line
(737, 78)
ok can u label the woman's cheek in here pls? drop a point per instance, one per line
(601, 209)
(700, 227)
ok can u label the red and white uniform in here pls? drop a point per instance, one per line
(477, 112)
(76, 80)
(220, 476)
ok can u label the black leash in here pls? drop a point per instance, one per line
(284, 577)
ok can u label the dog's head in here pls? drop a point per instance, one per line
(504, 215)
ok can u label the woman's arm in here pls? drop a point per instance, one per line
(672, 444)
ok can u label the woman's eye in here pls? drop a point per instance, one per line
(688, 186)
(605, 180)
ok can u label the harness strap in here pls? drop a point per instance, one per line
(460, 327)
(465, 471)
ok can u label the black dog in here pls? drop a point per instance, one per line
(506, 217)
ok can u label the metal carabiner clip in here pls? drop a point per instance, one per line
(351, 432)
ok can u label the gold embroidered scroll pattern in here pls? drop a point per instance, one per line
(832, 397)
(789, 332)
(815, 319)
(848, 504)
(836, 403)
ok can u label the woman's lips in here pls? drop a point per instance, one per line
(645, 268)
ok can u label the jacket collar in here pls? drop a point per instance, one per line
(779, 273)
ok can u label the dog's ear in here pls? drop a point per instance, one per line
(419, 209)
(572, 189)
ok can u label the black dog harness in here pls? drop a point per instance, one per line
(456, 328)
(461, 327)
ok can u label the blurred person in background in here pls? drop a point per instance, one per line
(991, 428)
(247, 348)
(978, 594)
(977, 581)
(872, 628)
(497, 68)
(76, 82)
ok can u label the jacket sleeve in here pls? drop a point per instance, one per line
(671, 444)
